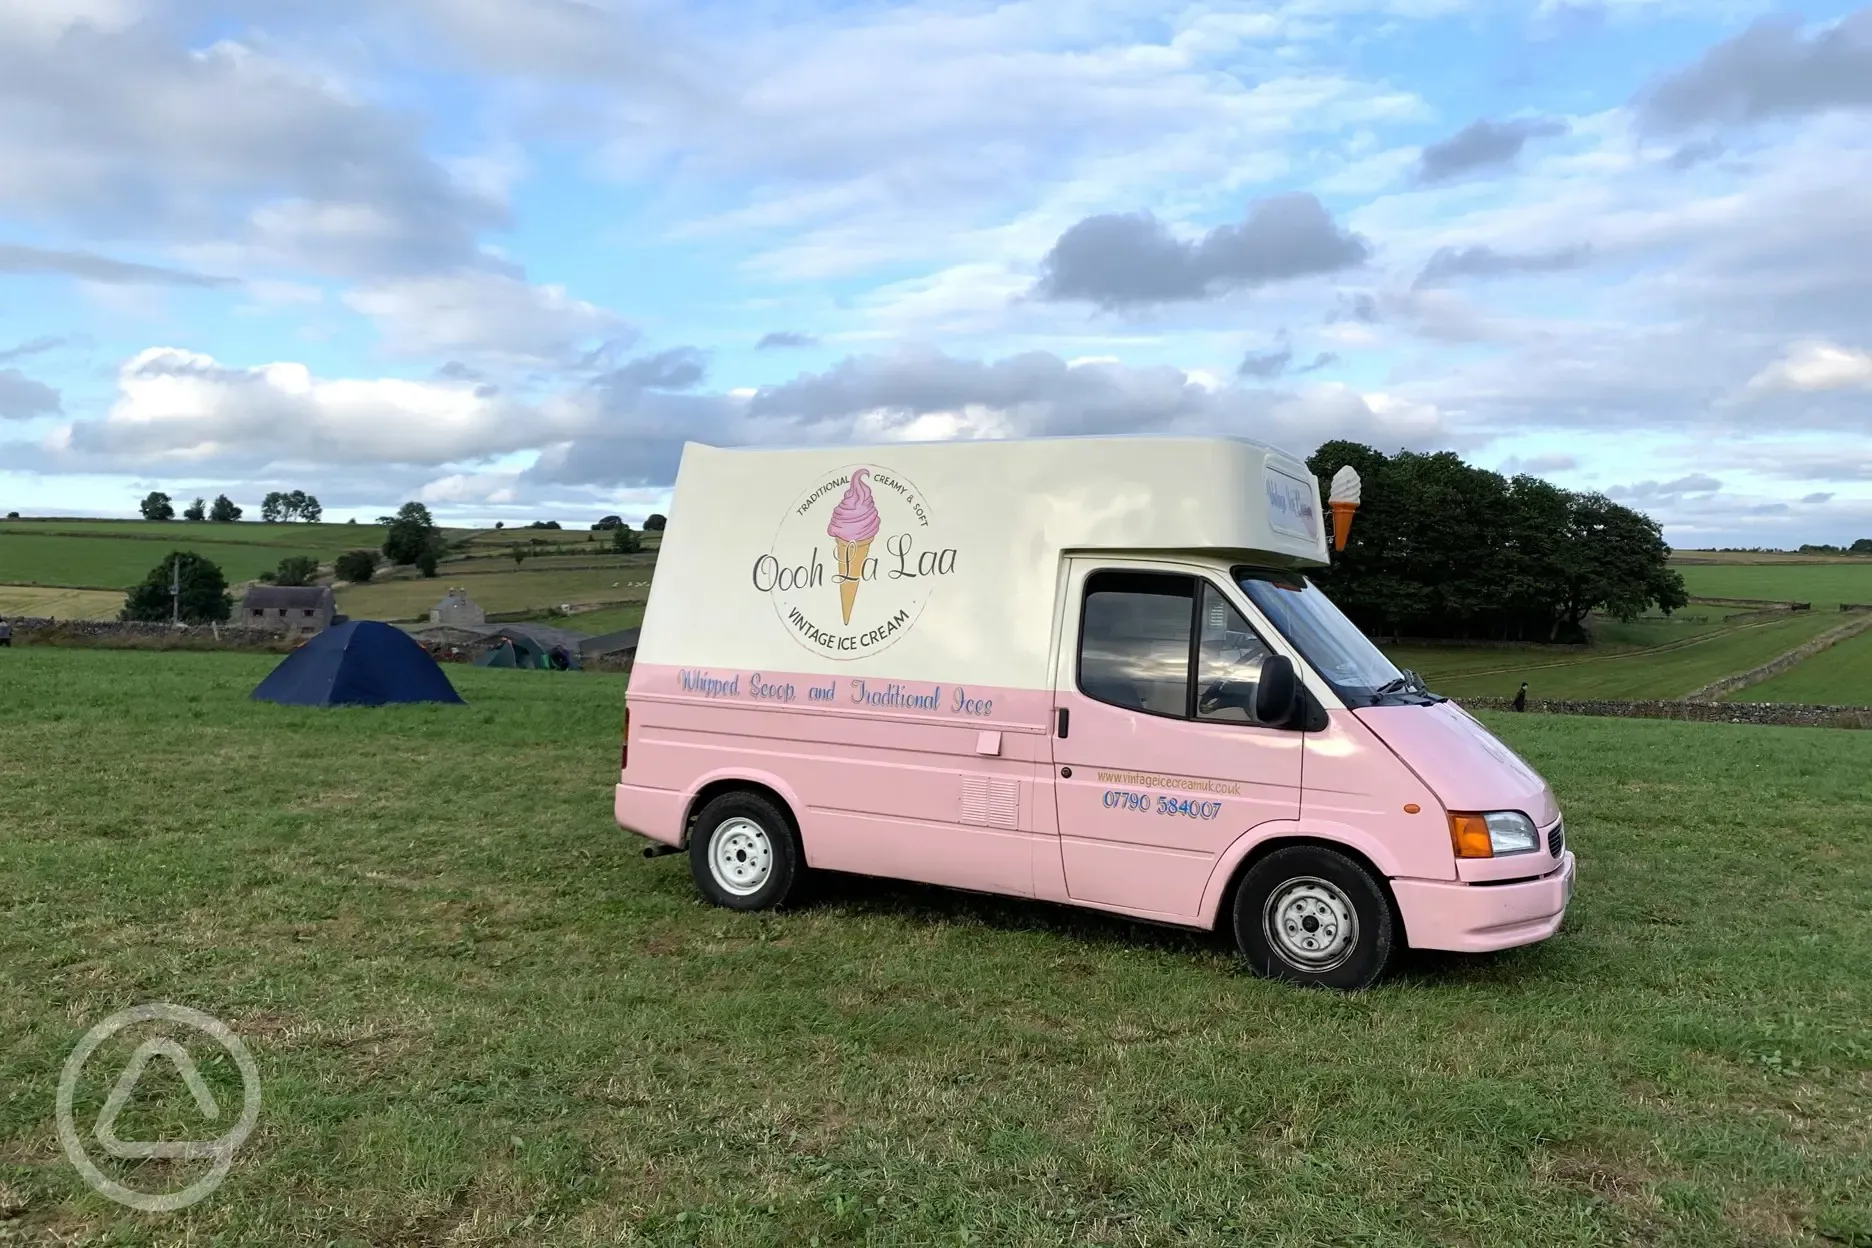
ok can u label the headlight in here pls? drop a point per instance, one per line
(1493, 834)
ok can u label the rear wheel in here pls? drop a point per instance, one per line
(1313, 915)
(743, 853)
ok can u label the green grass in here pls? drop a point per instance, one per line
(497, 585)
(1839, 676)
(118, 554)
(1684, 659)
(1826, 585)
(335, 537)
(603, 620)
(481, 1017)
(63, 604)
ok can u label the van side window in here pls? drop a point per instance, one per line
(1134, 640)
(1228, 661)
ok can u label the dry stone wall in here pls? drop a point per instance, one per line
(1784, 714)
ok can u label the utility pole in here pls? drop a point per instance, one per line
(175, 593)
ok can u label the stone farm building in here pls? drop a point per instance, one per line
(288, 608)
(457, 608)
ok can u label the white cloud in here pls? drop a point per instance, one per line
(1811, 366)
(483, 315)
(176, 406)
(470, 487)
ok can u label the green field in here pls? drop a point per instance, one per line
(603, 620)
(480, 1017)
(1682, 658)
(497, 585)
(108, 554)
(1839, 676)
(62, 604)
(322, 536)
(1826, 585)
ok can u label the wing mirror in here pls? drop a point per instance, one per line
(1277, 693)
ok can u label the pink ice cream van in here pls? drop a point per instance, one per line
(1087, 670)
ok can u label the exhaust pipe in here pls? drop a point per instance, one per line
(658, 850)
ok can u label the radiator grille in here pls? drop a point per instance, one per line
(1556, 839)
(990, 803)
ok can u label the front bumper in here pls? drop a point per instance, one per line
(1480, 918)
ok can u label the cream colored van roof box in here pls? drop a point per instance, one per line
(939, 560)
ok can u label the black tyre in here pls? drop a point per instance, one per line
(1315, 916)
(743, 853)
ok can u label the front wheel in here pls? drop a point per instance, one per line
(1312, 915)
(743, 853)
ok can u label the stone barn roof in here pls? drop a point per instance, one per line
(291, 597)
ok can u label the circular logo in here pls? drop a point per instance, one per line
(854, 561)
(220, 1151)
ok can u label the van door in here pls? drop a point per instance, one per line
(1154, 777)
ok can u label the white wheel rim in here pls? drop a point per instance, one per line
(740, 856)
(1311, 924)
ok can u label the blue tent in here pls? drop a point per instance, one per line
(357, 663)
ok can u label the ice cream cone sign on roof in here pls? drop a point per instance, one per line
(1344, 500)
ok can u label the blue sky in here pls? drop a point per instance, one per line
(507, 255)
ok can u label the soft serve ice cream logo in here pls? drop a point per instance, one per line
(854, 562)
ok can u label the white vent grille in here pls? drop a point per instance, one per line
(990, 803)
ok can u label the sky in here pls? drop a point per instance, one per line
(507, 256)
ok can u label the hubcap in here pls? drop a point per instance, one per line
(1311, 924)
(740, 856)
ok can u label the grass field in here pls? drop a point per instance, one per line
(603, 620)
(334, 537)
(1840, 676)
(1823, 584)
(118, 554)
(500, 586)
(63, 604)
(1683, 659)
(481, 1017)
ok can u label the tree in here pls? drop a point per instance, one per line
(280, 506)
(356, 566)
(518, 554)
(1861, 547)
(197, 510)
(412, 532)
(426, 561)
(544, 524)
(1443, 549)
(156, 506)
(624, 541)
(296, 570)
(203, 598)
(655, 524)
(12, 515)
(224, 511)
(609, 522)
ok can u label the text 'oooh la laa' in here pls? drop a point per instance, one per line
(901, 561)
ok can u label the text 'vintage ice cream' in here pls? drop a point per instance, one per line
(855, 523)
(1344, 500)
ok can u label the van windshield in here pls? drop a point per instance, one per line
(1356, 669)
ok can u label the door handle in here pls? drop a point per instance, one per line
(1065, 721)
